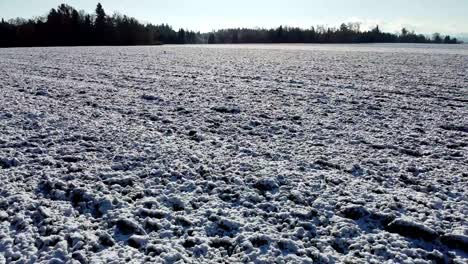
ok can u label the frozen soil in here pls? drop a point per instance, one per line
(212, 155)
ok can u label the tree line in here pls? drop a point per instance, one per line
(66, 26)
(346, 33)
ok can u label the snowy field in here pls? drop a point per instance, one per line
(251, 153)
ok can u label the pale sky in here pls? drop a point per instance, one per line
(423, 16)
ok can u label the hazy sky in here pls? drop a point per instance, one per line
(423, 16)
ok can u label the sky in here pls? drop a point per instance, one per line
(423, 16)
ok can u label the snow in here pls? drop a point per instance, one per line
(249, 153)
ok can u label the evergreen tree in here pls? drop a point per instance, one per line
(235, 37)
(181, 36)
(100, 24)
(211, 38)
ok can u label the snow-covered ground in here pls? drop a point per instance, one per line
(190, 154)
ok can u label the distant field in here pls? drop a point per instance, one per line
(460, 49)
(249, 153)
